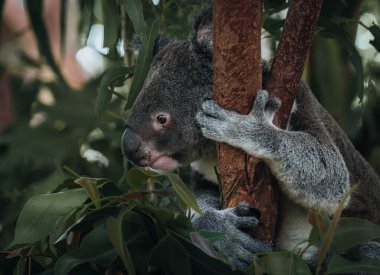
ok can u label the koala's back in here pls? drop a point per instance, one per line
(310, 116)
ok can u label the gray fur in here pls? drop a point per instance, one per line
(313, 160)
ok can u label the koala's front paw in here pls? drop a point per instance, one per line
(254, 133)
(236, 245)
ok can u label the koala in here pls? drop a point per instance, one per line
(175, 122)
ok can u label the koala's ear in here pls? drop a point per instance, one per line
(202, 37)
(159, 43)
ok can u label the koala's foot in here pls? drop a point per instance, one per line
(236, 245)
(254, 133)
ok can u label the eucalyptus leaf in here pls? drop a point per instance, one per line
(91, 188)
(375, 30)
(171, 256)
(283, 263)
(112, 77)
(339, 265)
(20, 267)
(143, 62)
(111, 22)
(1, 14)
(87, 221)
(204, 244)
(40, 214)
(353, 231)
(183, 192)
(95, 248)
(134, 9)
(63, 21)
(115, 233)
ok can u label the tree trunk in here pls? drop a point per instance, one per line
(292, 51)
(237, 78)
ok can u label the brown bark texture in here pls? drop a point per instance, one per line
(237, 78)
(292, 51)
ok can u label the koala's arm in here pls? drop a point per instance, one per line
(304, 158)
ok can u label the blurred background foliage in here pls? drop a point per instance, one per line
(58, 119)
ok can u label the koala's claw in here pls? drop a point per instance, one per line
(212, 109)
(243, 209)
(238, 247)
(265, 107)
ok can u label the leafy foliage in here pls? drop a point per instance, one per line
(129, 219)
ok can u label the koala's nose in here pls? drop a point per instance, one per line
(130, 145)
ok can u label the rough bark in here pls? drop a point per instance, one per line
(291, 55)
(237, 78)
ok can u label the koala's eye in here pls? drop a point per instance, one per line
(162, 119)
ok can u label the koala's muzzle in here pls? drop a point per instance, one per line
(131, 146)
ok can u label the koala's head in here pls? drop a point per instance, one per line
(161, 131)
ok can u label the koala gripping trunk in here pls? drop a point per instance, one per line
(238, 77)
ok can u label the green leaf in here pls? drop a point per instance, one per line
(339, 265)
(112, 77)
(20, 267)
(35, 11)
(171, 256)
(63, 21)
(202, 263)
(353, 231)
(115, 233)
(334, 31)
(134, 10)
(1, 14)
(183, 191)
(91, 188)
(111, 22)
(204, 244)
(375, 30)
(95, 248)
(143, 62)
(86, 222)
(40, 214)
(328, 239)
(283, 263)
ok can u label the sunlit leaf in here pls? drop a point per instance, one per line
(115, 233)
(40, 214)
(91, 188)
(339, 265)
(183, 191)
